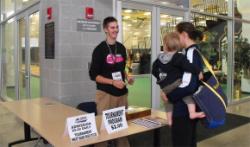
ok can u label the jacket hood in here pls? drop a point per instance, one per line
(166, 57)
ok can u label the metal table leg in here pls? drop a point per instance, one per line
(27, 136)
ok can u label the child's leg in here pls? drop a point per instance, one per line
(169, 111)
(169, 88)
(192, 108)
(168, 106)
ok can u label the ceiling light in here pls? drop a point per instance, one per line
(128, 11)
(136, 33)
(164, 3)
(179, 18)
(147, 13)
(126, 17)
(134, 20)
(125, 28)
(202, 22)
(163, 23)
(164, 16)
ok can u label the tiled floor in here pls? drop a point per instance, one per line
(11, 129)
(238, 137)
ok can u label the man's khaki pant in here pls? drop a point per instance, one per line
(105, 101)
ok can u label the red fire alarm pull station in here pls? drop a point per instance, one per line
(49, 13)
(89, 11)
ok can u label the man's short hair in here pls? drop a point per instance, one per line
(108, 20)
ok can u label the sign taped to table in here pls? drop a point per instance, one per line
(115, 119)
(81, 127)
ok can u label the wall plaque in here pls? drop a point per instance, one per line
(88, 25)
(50, 40)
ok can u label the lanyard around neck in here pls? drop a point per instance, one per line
(110, 51)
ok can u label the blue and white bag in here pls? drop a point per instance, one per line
(211, 99)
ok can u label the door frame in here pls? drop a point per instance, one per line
(130, 5)
(24, 15)
(155, 33)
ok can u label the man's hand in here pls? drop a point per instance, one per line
(130, 80)
(118, 84)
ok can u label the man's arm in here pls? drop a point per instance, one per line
(116, 83)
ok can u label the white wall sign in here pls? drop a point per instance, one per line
(81, 127)
(114, 119)
(88, 25)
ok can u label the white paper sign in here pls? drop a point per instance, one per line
(114, 119)
(81, 127)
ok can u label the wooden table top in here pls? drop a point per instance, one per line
(48, 118)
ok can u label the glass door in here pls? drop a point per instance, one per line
(136, 36)
(34, 64)
(22, 68)
(169, 18)
(143, 27)
(8, 88)
(28, 56)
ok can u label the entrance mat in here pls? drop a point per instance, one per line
(232, 121)
(146, 139)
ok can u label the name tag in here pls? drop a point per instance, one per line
(117, 76)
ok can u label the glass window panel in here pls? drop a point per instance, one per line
(8, 77)
(242, 61)
(22, 67)
(241, 9)
(137, 40)
(211, 6)
(20, 4)
(169, 3)
(34, 55)
(214, 45)
(7, 8)
(167, 24)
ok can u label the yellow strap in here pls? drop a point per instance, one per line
(209, 67)
(217, 82)
(216, 93)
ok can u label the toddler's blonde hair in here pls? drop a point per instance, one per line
(171, 42)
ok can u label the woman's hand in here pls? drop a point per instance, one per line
(118, 84)
(164, 96)
(201, 77)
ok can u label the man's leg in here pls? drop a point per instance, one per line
(102, 100)
(117, 102)
(102, 103)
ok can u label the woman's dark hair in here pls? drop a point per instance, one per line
(108, 20)
(189, 28)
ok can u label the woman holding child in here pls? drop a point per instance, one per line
(183, 116)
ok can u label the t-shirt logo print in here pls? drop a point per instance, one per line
(162, 75)
(112, 59)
